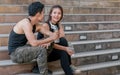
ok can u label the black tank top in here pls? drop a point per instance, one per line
(17, 40)
(40, 35)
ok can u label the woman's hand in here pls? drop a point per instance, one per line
(46, 45)
(69, 51)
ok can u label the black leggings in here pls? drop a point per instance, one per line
(65, 59)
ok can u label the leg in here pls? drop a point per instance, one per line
(64, 42)
(65, 59)
(42, 63)
(27, 54)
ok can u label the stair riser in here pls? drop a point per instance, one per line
(67, 10)
(66, 18)
(16, 69)
(4, 55)
(78, 37)
(96, 46)
(83, 3)
(16, 1)
(3, 41)
(5, 29)
(91, 26)
(67, 3)
(13, 9)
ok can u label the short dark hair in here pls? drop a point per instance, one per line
(34, 8)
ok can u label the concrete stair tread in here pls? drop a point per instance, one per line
(95, 41)
(93, 66)
(28, 74)
(77, 32)
(87, 6)
(97, 52)
(69, 23)
(4, 35)
(84, 54)
(86, 67)
(7, 67)
(81, 14)
(91, 31)
(7, 63)
(96, 22)
(3, 48)
(10, 62)
(66, 18)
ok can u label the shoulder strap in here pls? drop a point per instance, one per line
(34, 26)
(29, 19)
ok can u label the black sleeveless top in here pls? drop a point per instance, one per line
(17, 40)
(40, 35)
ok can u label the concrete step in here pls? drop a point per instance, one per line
(78, 55)
(7, 67)
(94, 66)
(94, 22)
(95, 41)
(13, 18)
(98, 25)
(84, 3)
(11, 2)
(104, 3)
(62, 2)
(4, 53)
(73, 26)
(87, 67)
(5, 29)
(4, 41)
(81, 38)
(6, 34)
(5, 8)
(90, 17)
(80, 35)
(22, 8)
(76, 32)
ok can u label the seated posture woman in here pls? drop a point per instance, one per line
(60, 47)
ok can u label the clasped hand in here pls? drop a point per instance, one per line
(69, 51)
(46, 45)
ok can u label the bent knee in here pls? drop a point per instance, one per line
(63, 41)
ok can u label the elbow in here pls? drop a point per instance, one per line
(32, 43)
(62, 36)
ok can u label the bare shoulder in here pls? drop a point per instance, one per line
(25, 22)
(45, 25)
(26, 25)
(21, 26)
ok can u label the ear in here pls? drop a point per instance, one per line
(38, 13)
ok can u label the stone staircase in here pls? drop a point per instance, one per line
(92, 26)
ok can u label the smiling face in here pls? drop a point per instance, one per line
(56, 15)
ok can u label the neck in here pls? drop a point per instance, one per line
(32, 20)
(53, 22)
